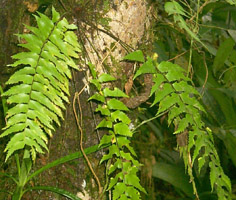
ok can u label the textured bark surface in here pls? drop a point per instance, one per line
(129, 21)
(12, 14)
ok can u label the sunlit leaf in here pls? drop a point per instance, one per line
(106, 78)
(135, 56)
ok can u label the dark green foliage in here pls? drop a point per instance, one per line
(39, 88)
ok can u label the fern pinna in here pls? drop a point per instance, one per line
(122, 165)
(41, 86)
(175, 95)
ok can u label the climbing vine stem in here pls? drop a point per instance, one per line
(79, 125)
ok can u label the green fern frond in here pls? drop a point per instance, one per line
(41, 87)
(175, 95)
(124, 182)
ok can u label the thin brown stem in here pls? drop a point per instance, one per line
(199, 10)
(79, 124)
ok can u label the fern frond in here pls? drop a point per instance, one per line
(176, 96)
(41, 87)
(125, 184)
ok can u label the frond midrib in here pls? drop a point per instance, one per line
(37, 64)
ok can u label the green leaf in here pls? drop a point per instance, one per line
(122, 129)
(97, 97)
(104, 110)
(96, 83)
(104, 124)
(115, 104)
(132, 193)
(173, 174)
(162, 92)
(4, 102)
(119, 189)
(13, 129)
(39, 108)
(117, 165)
(213, 175)
(231, 2)
(45, 25)
(222, 54)
(71, 38)
(168, 102)
(135, 56)
(113, 181)
(114, 93)
(106, 139)
(183, 86)
(201, 162)
(55, 15)
(25, 61)
(32, 40)
(173, 8)
(113, 150)
(106, 78)
(18, 98)
(123, 141)
(16, 78)
(66, 159)
(17, 118)
(175, 75)
(121, 116)
(184, 123)
(37, 96)
(22, 88)
(59, 191)
(49, 92)
(175, 112)
(191, 101)
(146, 68)
(183, 24)
(158, 79)
(132, 179)
(12, 148)
(92, 70)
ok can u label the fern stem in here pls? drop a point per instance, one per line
(150, 119)
(190, 57)
(17, 163)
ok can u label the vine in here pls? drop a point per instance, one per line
(123, 165)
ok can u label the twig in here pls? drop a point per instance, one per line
(109, 52)
(199, 10)
(77, 94)
(178, 55)
(63, 5)
(148, 120)
(226, 71)
(206, 77)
